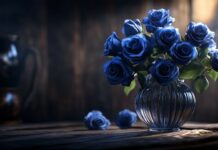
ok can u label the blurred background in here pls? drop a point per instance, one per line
(68, 37)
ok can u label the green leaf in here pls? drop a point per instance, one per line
(110, 57)
(213, 75)
(191, 71)
(202, 53)
(201, 84)
(206, 62)
(128, 89)
(144, 73)
(183, 38)
(140, 68)
(157, 50)
(141, 79)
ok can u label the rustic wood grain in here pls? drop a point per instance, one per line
(33, 35)
(72, 135)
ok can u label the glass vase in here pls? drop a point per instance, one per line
(165, 108)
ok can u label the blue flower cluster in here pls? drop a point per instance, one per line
(158, 47)
(95, 120)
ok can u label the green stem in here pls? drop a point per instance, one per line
(141, 80)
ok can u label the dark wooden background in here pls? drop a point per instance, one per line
(69, 35)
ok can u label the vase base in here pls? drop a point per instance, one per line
(164, 129)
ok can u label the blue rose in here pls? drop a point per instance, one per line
(136, 47)
(166, 37)
(112, 46)
(214, 61)
(164, 71)
(157, 18)
(200, 35)
(95, 120)
(131, 27)
(118, 72)
(126, 118)
(212, 51)
(183, 52)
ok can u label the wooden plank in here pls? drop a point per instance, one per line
(64, 125)
(135, 139)
(38, 126)
(211, 126)
(75, 136)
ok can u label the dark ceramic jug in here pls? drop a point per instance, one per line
(12, 65)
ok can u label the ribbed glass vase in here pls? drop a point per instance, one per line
(165, 108)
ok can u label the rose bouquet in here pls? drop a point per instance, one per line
(154, 47)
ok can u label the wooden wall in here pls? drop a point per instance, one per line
(69, 36)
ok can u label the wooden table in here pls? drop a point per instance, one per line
(76, 136)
